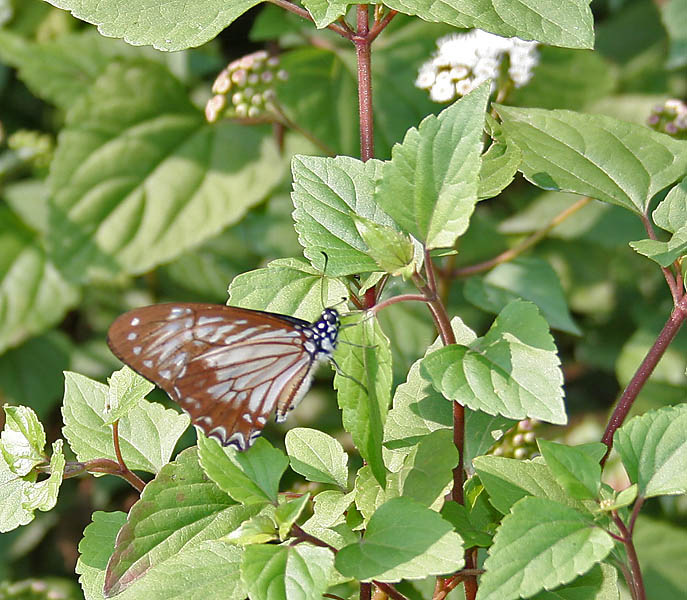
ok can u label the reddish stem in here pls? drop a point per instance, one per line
(379, 26)
(301, 12)
(636, 582)
(640, 377)
(675, 290)
(362, 43)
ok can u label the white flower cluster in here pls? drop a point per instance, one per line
(464, 60)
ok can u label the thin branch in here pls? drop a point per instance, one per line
(640, 377)
(301, 12)
(635, 570)
(526, 244)
(667, 273)
(639, 502)
(286, 122)
(364, 56)
(365, 591)
(401, 298)
(379, 26)
(105, 465)
(390, 590)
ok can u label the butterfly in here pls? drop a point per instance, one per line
(229, 368)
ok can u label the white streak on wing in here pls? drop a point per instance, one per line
(208, 320)
(220, 389)
(257, 396)
(238, 439)
(243, 368)
(226, 356)
(219, 332)
(220, 432)
(166, 374)
(276, 333)
(283, 379)
(178, 311)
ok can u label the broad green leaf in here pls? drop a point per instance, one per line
(512, 371)
(508, 480)
(328, 193)
(325, 12)
(674, 16)
(593, 155)
(23, 439)
(42, 495)
(663, 253)
(288, 286)
(137, 183)
(60, 70)
(32, 373)
(191, 507)
(568, 23)
(317, 456)
(33, 294)
(125, 389)
(288, 512)
(459, 516)
(577, 471)
(653, 448)
(249, 477)
(499, 165)
(540, 545)
(179, 26)
(392, 250)
(531, 279)
(429, 187)
(286, 572)
(147, 433)
(599, 583)
(428, 469)
(211, 568)
(424, 545)
(330, 77)
(365, 401)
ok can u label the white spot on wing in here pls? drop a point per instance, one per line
(135, 321)
(136, 350)
(132, 336)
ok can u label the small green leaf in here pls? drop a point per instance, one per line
(43, 494)
(621, 500)
(512, 371)
(671, 213)
(286, 572)
(429, 187)
(193, 510)
(259, 529)
(288, 286)
(577, 471)
(330, 506)
(288, 512)
(325, 12)
(541, 545)
(249, 477)
(23, 439)
(317, 456)
(663, 253)
(594, 155)
(365, 401)
(473, 534)
(425, 544)
(12, 493)
(147, 433)
(392, 250)
(499, 165)
(653, 448)
(126, 389)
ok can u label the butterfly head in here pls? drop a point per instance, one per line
(325, 332)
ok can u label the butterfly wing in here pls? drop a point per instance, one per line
(227, 367)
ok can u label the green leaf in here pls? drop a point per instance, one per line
(288, 286)
(512, 371)
(430, 185)
(147, 433)
(621, 499)
(33, 294)
(210, 568)
(192, 508)
(249, 477)
(288, 512)
(328, 193)
(317, 456)
(540, 545)
(116, 201)
(558, 24)
(365, 402)
(259, 529)
(43, 494)
(126, 389)
(12, 493)
(599, 583)
(663, 253)
(577, 471)
(179, 26)
(392, 250)
(593, 155)
(428, 469)
(653, 448)
(531, 279)
(673, 15)
(23, 439)
(325, 12)
(328, 521)
(508, 480)
(499, 165)
(459, 516)
(424, 545)
(286, 572)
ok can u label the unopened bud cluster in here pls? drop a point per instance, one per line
(520, 442)
(465, 60)
(670, 117)
(244, 88)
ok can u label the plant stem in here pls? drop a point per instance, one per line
(105, 465)
(670, 278)
(512, 253)
(379, 26)
(301, 12)
(362, 43)
(365, 591)
(637, 585)
(640, 377)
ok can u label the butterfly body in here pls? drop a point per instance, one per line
(228, 367)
